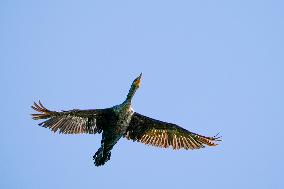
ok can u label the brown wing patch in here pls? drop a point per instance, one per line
(155, 137)
(166, 138)
(162, 134)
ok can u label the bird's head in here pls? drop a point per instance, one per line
(136, 82)
(135, 85)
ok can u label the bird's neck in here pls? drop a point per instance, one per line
(130, 94)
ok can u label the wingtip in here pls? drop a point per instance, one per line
(217, 137)
(43, 113)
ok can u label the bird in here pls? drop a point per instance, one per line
(120, 121)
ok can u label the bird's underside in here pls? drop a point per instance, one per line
(140, 128)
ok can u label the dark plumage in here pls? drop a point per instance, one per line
(120, 121)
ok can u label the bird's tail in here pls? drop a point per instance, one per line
(101, 157)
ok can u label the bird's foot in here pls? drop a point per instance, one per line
(108, 155)
(97, 153)
(100, 157)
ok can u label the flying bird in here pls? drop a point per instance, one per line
(120, 121)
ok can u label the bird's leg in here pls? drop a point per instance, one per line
(101, 149)
(104, 152)
(101, 156)
(107, 153)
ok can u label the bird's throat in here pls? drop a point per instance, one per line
(130, 94)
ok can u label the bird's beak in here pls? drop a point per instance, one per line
(138, 80)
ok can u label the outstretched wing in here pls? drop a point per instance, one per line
(161, 134)
(73, 121)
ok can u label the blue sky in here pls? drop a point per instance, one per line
(209, 66)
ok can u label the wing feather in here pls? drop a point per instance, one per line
(162, 134)
(73, 121)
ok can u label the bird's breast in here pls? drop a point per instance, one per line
(124, 118)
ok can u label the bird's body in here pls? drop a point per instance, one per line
(120, 121)
(114, 130)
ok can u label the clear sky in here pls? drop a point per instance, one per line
(209, 66)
